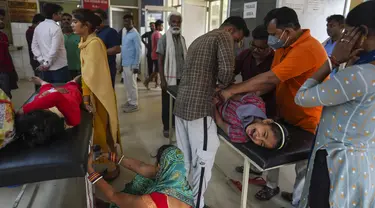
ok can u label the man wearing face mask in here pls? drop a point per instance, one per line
(210, 60)
(171, 54)
(298, 55)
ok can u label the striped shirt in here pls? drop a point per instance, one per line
(238, 118)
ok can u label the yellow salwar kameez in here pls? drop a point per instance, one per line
(96, 83)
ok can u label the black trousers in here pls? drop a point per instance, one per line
(165, 109)
(150, 65)
(320, 182)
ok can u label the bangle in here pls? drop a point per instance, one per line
(334, 61)
(94, 177)
(112, 157)
(122, 157)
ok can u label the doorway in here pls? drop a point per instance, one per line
(218, 12)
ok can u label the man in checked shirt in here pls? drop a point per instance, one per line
(210, 60)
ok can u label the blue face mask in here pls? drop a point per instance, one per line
(275, 43)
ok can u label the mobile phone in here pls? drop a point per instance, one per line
(97, 151)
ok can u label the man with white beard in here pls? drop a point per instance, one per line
(171, 57)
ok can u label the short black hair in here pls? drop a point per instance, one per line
(128, 16)
(260, 33)
(158, 23)
(160, 152)
(238, 22)
(38, 127)
(285, 18)
(38, 18)
(49, 9)
(88, 17)
(67, 15)
(363, 14)
(102, 13)
(2, 12)
(337, 18)
(152, 23)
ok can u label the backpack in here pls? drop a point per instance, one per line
(7, 117)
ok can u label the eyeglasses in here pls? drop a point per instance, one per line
(255, 47)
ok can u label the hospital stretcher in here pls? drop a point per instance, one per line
(297, 149)
(64, 158)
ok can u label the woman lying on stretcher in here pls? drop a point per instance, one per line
(53, 110)
(244, 116)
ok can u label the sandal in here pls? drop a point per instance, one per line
(111, 176)
(239, 169)
(259, 181)
(267, 193)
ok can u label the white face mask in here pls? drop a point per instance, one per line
(175, 30)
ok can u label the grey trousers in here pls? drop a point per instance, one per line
(301, 168)
(199, 161)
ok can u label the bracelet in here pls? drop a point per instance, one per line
(334, 61)
(122, 157)
(94, 177)
(112, 157)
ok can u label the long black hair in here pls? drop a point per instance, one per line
(39, 127)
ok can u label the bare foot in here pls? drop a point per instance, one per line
(36, 80)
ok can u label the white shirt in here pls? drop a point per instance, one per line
(48, 44)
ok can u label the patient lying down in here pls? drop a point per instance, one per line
(243, 118)
(53, 110)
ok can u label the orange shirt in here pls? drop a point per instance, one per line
(293, 66)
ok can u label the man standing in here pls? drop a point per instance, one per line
(298, 55)
(71, 41)
(48, 46)
(146, 40)
(111, 40)
(210, 59)
(8, 74)
(335, 25)
(171, 52)
(131, 58)
(38, 18)
(154, 56)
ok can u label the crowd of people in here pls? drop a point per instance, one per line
(288, 77)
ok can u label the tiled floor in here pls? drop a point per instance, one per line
(141, 136)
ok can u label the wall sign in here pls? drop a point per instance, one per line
(250, 10)
(22, 11)
(95, 4)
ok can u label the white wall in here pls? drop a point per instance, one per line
(312, 14)
(21, 58)
(194, 19)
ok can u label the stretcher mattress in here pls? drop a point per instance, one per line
(64, 158)
(298, 147)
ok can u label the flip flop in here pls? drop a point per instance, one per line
(259, 181)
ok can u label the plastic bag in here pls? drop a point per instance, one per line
(7, 115)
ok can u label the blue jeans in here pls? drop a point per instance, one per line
(59, 76)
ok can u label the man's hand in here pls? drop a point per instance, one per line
(225, 95)
(135, 71)
(163, 84)
(89, 108)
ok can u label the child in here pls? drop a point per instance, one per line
(243, 117)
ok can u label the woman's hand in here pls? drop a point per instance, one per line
(90, 161)
(343, 50)
(89, 108)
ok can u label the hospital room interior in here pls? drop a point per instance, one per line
(65, 183)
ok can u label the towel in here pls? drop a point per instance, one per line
(170, 67)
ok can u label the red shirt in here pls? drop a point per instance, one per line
(154, 40)
(6, 63)
(67, 103)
